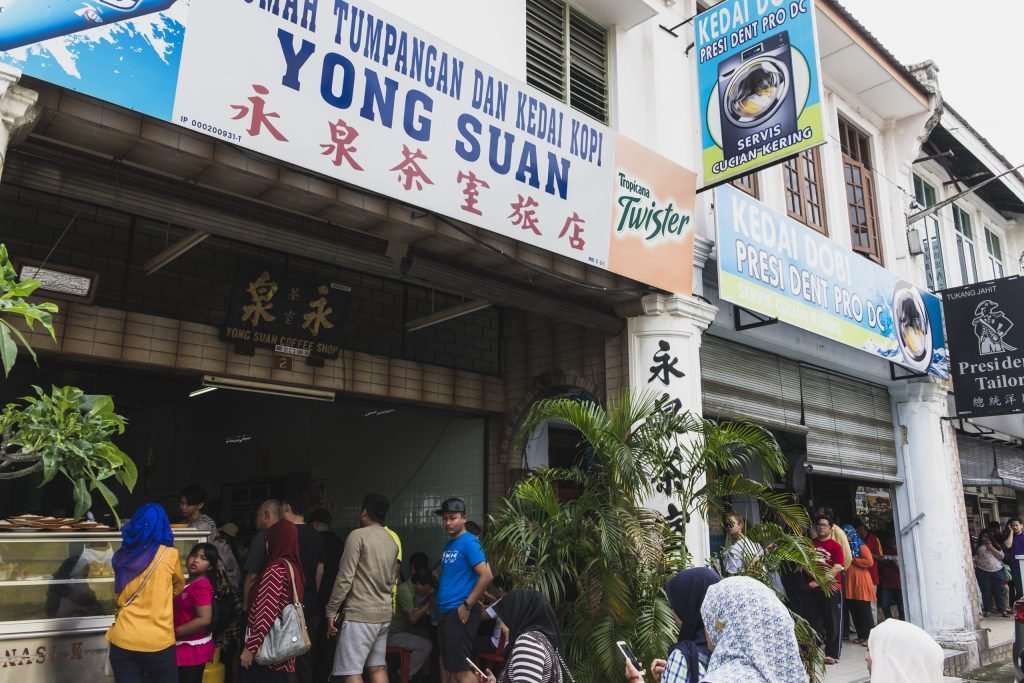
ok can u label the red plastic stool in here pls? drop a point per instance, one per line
(403, 658)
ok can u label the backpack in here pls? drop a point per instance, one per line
(227, 610)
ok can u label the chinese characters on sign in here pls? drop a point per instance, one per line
(985, 323)
(663, 370)
(663, 373)
(274, 309)
(406, 116)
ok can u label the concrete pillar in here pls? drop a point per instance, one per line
(931, 523)
(664, 357)
(19, 108)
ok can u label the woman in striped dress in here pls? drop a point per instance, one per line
(531, 655)
(273, 592)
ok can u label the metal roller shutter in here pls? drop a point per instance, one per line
(849, 424)
(741, 382)
(989, 463)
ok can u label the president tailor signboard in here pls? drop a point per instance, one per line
(359, 95)
(759, 82)
(986, 346)
(774, 265)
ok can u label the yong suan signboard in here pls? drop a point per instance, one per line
(354, 93)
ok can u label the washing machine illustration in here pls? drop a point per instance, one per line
(756, 93)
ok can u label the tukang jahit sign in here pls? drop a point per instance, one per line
(985, 323)
(350, 91)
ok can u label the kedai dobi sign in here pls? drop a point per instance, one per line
(759, 82)
(358, 95)
(769, 263)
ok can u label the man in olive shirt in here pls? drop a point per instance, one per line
(369, 567)
(404, 633)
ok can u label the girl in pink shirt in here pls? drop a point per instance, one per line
(193, 614)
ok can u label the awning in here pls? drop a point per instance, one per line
(986, 462)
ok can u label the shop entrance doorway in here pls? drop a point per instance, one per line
(244, 447)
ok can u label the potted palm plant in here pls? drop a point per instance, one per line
(603, 557)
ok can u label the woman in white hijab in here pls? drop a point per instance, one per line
(751, 635)
(899, 652)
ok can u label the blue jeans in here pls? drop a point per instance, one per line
(130, 666)
(888, 597)
(993, 590)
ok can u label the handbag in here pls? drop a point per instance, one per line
(287, 637)
(142, 585)
(1007, 573)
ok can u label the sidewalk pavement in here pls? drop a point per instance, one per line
(1000, 630)
(852, 668)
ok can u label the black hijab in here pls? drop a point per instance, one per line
(686, 591)
(524, 611)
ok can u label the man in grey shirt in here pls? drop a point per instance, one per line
(366, 577)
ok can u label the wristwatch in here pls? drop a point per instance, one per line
(467, 605)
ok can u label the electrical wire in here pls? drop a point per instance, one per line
(59, 240)
(423, 462)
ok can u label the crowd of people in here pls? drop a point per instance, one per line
(737, 630)
(863, 581)
(355, 604)
(995, 566)
(354, 601)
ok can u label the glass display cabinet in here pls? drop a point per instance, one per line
(57, 600)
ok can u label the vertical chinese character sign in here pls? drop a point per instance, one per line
(663, 372)
(272, 308)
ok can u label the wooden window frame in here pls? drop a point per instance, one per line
(747, 183)
(796, 169)
(856, 148)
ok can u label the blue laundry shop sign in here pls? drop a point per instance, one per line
(774, 265)
(759, 82)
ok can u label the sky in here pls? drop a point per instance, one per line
(977, 46)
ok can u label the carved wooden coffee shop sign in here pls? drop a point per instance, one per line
(274, 309)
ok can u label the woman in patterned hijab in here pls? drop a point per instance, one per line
(751, 635)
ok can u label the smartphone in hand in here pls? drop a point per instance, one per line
(476, 669)
(628, 654)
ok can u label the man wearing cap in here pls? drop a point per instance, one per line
(465, 576)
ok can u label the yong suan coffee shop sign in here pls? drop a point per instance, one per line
(354, 93)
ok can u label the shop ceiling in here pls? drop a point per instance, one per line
(109, 156)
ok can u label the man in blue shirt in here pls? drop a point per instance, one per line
(465, 576)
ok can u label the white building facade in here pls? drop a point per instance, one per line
(852, 425)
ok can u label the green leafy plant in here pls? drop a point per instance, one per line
(68, 432)
(584, 538)
(13, 303)
(65, 431)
